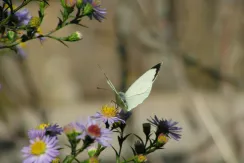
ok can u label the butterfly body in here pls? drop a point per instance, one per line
(121, 101)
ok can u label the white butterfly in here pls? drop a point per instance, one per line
(138, 91)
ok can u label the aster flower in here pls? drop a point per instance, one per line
(53, 130)
(22, 17)
(71, 128)
(95, 131)
(108, 114)
(167, 127)
(41, 150)
(93, 9)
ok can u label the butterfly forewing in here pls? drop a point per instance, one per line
(141, 88)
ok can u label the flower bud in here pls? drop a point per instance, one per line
(72, 132)
(146, 128)
(88, 9)
(92, 150)
(139, 147)
(76, 36)
(70, 3)
(11, 35)
(79, 3)
(70, 129)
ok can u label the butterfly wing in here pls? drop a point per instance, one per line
(141, 88)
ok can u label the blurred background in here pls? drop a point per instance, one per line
(200, 84)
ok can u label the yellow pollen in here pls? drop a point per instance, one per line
(22, 44)
(141, 158)
(43, 126)
(109, 111)
(56, 160)
(38, 148)
(39, 30)
(162, 138)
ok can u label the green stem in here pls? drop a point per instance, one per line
(99, 150)
(46, 35)
(129, 160)
(120, 147)
(79, 151)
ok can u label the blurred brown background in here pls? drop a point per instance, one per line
(200, 84)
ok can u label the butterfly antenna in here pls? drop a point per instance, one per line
(103, 72)
(104, 89)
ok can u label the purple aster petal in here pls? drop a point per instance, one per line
(20, 51)
(36, 133)
(98, 12)
(23, 17)
(54, 130)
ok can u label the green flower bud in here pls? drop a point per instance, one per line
(76, 36)
(63, 3)
(11, 35)
(88, 9)
(42, 7)
(68, 3)
(92, 151)
(79, 3)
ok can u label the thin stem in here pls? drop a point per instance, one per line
(35, 37)
(85, 145)
(120, 147)
(129, 160)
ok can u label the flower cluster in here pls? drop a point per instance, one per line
(18, 26)
(43, 144)
(95, 135)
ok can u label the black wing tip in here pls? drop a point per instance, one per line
(157, 67)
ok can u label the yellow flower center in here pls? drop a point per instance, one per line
(56, 160)
(162, 139)
(35, 22)
(141, 158)
(43, 126)
(109, 111)
(38, 148)
(22, 44)
(39, 30)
